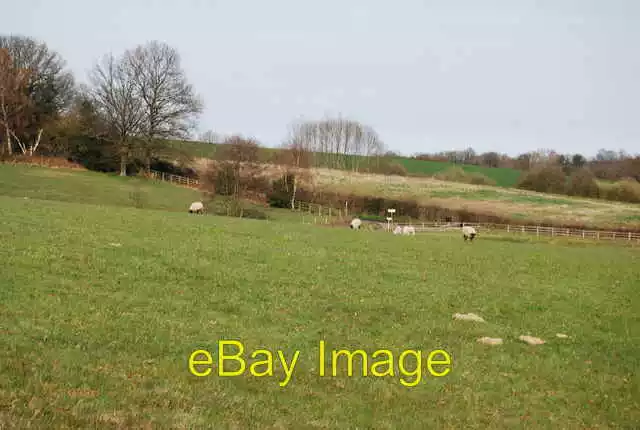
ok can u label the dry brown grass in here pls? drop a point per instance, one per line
(37, 160)
(529, 206)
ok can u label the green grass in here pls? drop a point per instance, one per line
(112, 190)
(101, 306)
(502, 176)
(484, 199)
(92, 188)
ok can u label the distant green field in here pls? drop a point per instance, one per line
(503, 177)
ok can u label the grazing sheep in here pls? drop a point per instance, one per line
(355, 224)
(468, 232)
(408, 230)
(397, 230)
(196, 207)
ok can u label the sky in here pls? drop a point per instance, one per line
(509, 76)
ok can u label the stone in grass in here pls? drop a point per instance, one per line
(468, 317)
(561, 335)
(531, 340)
(490, 340)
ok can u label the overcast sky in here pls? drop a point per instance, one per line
(509, 76)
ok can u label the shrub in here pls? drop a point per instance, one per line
(626, 190)
(171, 168)
(280, 194)
(254, 214)
(458, 174)
(138, 198)
(480, 179)
(453, 174)
(582, 182)
(546, 179)
(389, 167)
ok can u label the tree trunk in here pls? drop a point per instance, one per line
(293, 194)
(9, 145)
(5, 121)
(123, 165)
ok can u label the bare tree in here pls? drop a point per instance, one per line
(210, 136)
(337, 142)
(236, 171)
(36, 90)
(114, 94)
(170, 104)
(296, 155)
(13, 97)
(490, 159)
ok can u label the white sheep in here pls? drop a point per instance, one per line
(468, 232)
(355, 223)
(397, 230)
(196, 207)
(408, 230)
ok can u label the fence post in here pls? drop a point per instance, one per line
(523, 229)
(329, 211)
(538, 231)
(598, 235)
(583, 234)
(552, 231)
(507, 228)
(629, 235)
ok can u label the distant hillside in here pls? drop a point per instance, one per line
(504, 177)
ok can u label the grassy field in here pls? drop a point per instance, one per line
(507, 202)
(504, 177)
(102, 306)
(109, 189)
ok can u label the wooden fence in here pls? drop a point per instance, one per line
(175, 179)
(530, 230)
(322, 214)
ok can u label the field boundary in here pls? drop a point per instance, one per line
(529, 230)
(174, 179)
(322, 214)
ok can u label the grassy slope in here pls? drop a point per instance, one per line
(507, 202)
(97, 334)
(503, 177)
(517, 204)
(106, 189)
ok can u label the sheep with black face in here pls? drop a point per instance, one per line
(196, 208)
(468, 232)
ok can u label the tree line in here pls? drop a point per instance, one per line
(132, 103)
(606, 164)
(135, 101)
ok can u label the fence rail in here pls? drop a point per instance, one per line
(325, 214)
(531, 230)
(175, 179)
